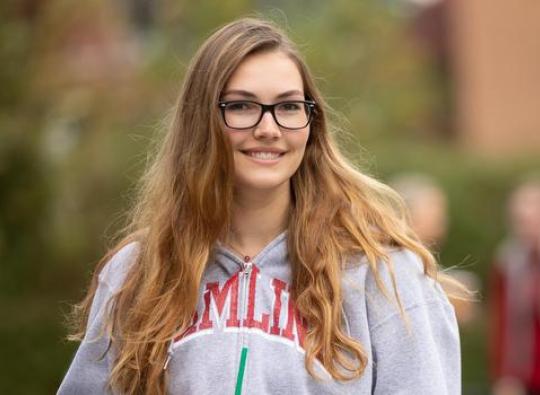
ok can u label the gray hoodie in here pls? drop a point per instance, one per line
(246, 336)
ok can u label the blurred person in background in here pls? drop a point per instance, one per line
(515, 297)
(428, 207)
(258, 259)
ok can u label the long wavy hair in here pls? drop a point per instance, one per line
(183, 208)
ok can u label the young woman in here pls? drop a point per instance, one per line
(259, 261)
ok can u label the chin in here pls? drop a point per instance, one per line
(263, 184)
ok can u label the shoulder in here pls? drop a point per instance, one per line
(411, 282)
(115, 270)
(414, 288)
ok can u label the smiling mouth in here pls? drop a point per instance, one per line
(263, 155)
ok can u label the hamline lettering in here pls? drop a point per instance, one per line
(216, 300)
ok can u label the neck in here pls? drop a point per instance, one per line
(258, 217)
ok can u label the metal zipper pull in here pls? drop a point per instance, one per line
(247, 265)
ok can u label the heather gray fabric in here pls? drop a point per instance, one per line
(247, 339)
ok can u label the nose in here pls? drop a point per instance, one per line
(267, 128)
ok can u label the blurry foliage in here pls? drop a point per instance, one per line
(85, 86)
(369, 67)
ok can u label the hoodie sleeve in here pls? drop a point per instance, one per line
(419, 355)
(90, 368)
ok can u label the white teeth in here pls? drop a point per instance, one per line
(264, 155)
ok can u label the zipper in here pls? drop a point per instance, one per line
(247, 265)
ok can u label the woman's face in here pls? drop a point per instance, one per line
(266, 156)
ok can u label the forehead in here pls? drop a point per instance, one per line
(266, 74)
(527, 194)
(526, 199)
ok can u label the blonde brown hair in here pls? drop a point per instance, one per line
(184, 207)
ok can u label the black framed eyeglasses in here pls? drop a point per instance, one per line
(246, 114)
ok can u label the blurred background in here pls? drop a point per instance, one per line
(441, 95)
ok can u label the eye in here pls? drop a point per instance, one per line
(290, 107)
(240, 106)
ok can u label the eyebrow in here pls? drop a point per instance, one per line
(251, 95)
